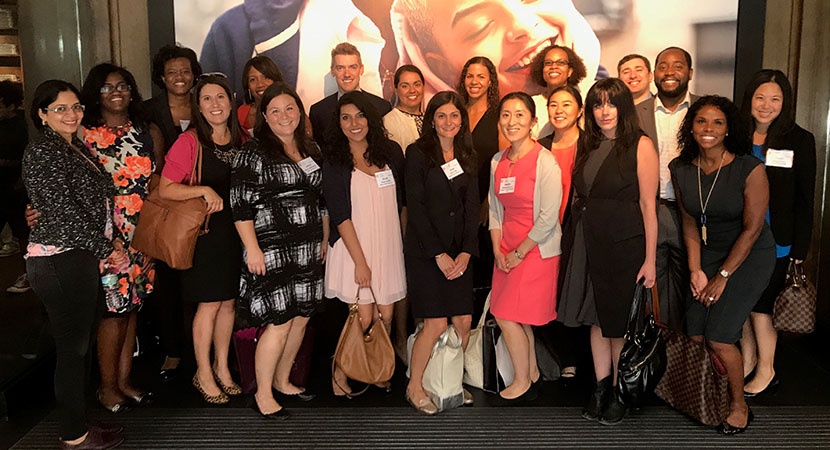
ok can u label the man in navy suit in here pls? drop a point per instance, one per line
(660, 118)
(346, 68)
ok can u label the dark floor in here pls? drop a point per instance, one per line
(26, 362)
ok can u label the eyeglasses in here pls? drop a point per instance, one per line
(120, 87)
(557, 63)
(63, 109)
(211, 74)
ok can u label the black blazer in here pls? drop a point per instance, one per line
(645, 112)
(792, 192)
(321, 113)
(442, 214)
(159, 114)
(337, 189)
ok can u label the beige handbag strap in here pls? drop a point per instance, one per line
(357, 300)
(483, 317)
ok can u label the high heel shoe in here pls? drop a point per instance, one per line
(530, 394)
(340, 390)
(727, 429)
(115, 408)
(771, 387)
(142, 398)
(219, 399)
(231, 389)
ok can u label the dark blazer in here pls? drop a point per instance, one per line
(321, 113)
(443, 214)
(158, 111)
(792, 192)
(645, 112)
(337, 189)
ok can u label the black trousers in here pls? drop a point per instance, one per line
(69, 286)
(672, 267)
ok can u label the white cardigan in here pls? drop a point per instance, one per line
(547, 197)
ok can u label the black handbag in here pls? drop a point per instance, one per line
(643, 356)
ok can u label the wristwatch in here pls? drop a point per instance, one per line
(722, 272)
(518, 255)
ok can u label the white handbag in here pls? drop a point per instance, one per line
(473, 366)
(445, 369)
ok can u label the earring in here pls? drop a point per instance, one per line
(249, 94)
(43, 121)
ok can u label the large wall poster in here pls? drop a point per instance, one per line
(440, 35)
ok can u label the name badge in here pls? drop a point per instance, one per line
(385, 178)
(308, 165)
(184, 124)
(452, 169)
(507, 185)
(780, 158)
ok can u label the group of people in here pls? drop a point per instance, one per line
(559, 210)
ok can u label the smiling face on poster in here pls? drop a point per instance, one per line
(437, 36)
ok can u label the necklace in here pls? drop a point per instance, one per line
(703, 204)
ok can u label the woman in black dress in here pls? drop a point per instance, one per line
(276, 196)
(478, 86)
(442, 197)
(723, 196)
(610, 240)
(213, 281)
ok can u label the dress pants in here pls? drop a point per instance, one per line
(672, 266)
(69, 285)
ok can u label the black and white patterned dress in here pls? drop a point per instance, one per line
(285, 204)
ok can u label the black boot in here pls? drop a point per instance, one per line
(615, 409)
(593, 410)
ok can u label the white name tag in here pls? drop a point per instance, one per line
(452, 169)
(184, 124)
(507, 185)
(780, 158)
(308, 165)
(385, 178)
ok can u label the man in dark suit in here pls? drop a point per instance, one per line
(346, 68)
(660, 118)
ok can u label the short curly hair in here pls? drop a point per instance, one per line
(576, 63)
(169, 52)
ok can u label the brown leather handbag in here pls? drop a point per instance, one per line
(167, 230)
(795, 307)
(363, 353)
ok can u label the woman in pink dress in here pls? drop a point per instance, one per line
(525, 194)
(363, 188)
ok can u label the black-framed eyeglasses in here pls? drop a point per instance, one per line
(557, 63)
(120, 87)
(211, 74)
(63, 109)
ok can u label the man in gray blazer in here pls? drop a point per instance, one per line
(660, 118)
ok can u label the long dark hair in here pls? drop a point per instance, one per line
(379, 152)
(46, 93)
(537, 66)
(269, 143)
(203, 129)
(91, 96)
(462, 142)
(169, 52)
(615, 92)
(492, 91)
(267, 67)
(786, 118)
(737, 139)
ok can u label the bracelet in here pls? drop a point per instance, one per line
(518, 255)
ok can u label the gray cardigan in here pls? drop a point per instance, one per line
(547, 197)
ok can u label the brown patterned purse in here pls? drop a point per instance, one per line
(795, 307)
